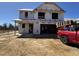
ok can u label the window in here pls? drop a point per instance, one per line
(41, 15)
(54, 15)
(26, 14)
(23, 25)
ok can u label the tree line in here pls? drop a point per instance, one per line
(6, 26)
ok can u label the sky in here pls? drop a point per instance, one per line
(9, 10)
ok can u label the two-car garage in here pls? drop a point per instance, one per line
(48, 29)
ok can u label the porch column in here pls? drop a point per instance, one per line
(36, 28)
(15, 28)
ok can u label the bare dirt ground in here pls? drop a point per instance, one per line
(10, 45)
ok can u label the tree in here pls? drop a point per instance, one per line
(11, 27)
(72, 22)
(5, 26)
(1, 27)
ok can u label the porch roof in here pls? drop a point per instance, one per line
(24, 21)
(25, 10)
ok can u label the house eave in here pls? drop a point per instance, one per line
(25, 10)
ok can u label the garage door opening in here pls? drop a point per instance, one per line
(48, 29)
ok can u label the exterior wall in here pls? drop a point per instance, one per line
(27, 28)
(61, 16)
(23, 30)
(36, 28)
(49, 7)
(19, 27)
(36, 23)
(48, 16)
(22, 15)
(36, 15)
(30, 15)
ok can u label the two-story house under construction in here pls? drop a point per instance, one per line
(42, 20)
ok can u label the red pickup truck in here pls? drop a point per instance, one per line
(69, 36)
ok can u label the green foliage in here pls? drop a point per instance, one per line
(9, 26)
(5, 26)
(73, 22)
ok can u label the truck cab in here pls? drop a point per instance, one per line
(69, 36)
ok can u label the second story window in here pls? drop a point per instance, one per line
(41, 15)
(26, 14)
(54, 15)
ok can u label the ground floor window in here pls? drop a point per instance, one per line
(23, 25)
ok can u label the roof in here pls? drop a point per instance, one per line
(54, 4)
(41, 5)
(50, 3)
(25, 9)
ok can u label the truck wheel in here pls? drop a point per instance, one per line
(64, 39)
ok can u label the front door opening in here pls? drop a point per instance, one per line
(30, 28)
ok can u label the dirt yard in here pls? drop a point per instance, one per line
(10, 45)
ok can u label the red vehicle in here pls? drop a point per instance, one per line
(69, 36)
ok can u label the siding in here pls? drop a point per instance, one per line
(36, 28)
(22, 15)
(49, 7)
(23, 30)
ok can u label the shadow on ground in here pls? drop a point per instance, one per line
(42, 36)
(73, 45)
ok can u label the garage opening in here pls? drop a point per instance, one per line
(48, 29)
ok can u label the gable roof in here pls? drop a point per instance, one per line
(50, 3)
